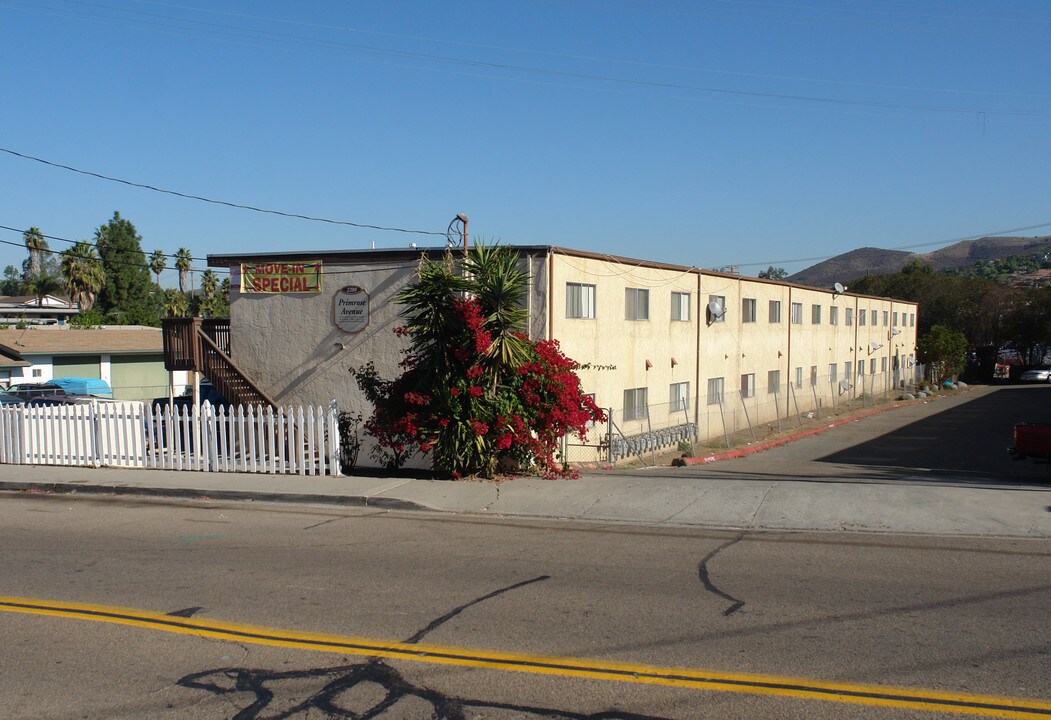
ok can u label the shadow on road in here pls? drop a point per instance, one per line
(969, 440)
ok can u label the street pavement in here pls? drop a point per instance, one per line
(924, 468)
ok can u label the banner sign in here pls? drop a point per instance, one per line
(350, 309)
(298, 277)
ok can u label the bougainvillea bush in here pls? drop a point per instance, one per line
(475, 394)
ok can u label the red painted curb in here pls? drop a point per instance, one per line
(742, 452)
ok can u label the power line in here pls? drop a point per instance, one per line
(226, 203)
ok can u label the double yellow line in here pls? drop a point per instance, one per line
(700, 679)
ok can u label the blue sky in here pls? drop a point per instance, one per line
(697, 132)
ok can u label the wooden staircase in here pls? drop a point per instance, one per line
(203, 345)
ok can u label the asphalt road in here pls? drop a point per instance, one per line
(419, 616)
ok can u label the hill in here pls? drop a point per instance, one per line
(874, 261)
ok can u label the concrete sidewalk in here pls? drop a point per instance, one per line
(655, 498)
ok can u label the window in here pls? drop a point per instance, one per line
(680, 306)
(894, 321)
(679, 396)
(833, 372)
(799, 378)
(874, 318)
(912, 320)
(580, 300)
(635, 404)
(861, 368)
(748, 385)
(797, 313)
(636, 304)
(38, 372)
(813, 375)
(848, 368)
(862, 316)
(773, 382)
(872, 366)
(815, 314)
(748, 310)
(883, 364)
(719, 300)
(715, 391)
(885, 315)
(590, 423)
(833, 315)
(775, 311)
(850, 316)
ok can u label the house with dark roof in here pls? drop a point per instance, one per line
(31, 310)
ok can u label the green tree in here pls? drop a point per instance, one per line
(183, 263)
(43, 285)
(209, 283)
(14, 283)
(175, 303)
(773, 273)
(211, 302)
(475, 392)
(158, 261)
(83, 273)
(944, 350)
(37, 246)
(127, 295)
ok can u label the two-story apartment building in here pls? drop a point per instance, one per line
(664, 344)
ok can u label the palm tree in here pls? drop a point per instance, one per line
(36, 245)
(183, 263)
(209, 283)
(175, 303)
(43, 285)
(82, 269)
(158, 261)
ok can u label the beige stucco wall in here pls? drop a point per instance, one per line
(291, 346)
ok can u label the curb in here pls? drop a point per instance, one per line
(751, 450)
(205, 495)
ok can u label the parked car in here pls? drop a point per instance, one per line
(53, 400)
(28, 391)
(7, 398)
(208, 394)
(84, 386)
(1040, 374)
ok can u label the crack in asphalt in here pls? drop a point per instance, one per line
(706, 580)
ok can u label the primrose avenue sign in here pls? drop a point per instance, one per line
(350, 309)
(298, 277)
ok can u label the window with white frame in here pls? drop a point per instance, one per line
(912, 319)
(872, 366)
(883, 364)
(719, 300)
(775, 311)
(833, 372)
(773, 382)
(886, 315)
(748, 306)
(813, 375)
(875, 318)
(590, 423)
(894, 320)
(848, 368)
(815, 314)
(833, 315)
(680, 306)
(636, 304)
(850, 316)
(635, 404)
(748, 385)
(580, 300)
(799, 378)
(861, 368)
(679, 396)
(715, 391)
(797, 313)
(862, 316)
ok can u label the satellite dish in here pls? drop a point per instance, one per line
(875, 346)
(844, 385)
(715, 308)
(838, 288)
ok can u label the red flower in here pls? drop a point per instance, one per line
(454, 391)
(475, 391)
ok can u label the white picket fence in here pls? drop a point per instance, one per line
(131, 434)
